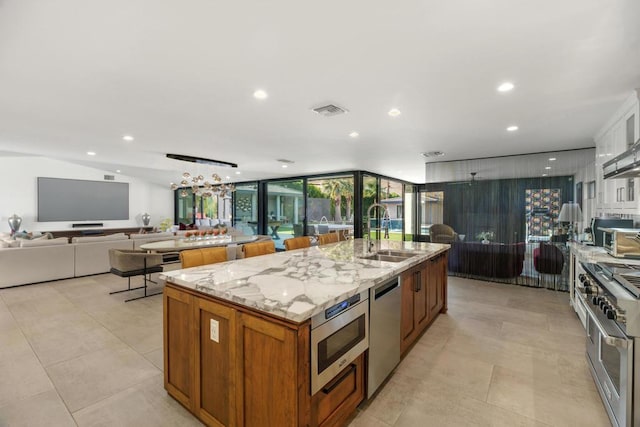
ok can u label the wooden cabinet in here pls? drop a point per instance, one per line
(230, 366)
(179, 346)
(423, 298)
(345, 391)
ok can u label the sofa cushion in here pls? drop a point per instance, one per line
(93, 239)
(44, 242)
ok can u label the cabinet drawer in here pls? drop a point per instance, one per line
(332, 405)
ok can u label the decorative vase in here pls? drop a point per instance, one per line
(14, 223)
(145, 219)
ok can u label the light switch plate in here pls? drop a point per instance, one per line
(215, 330)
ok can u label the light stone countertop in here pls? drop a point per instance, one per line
(295, 285)
(596, 254)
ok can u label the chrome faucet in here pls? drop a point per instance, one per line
(385, 228)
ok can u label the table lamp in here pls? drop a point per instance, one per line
(571, 213)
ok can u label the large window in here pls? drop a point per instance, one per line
(285, 208)
(330, 205)
(245, 211)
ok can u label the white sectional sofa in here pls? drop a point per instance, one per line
(40, 260)
(92, 252)
(36, 261)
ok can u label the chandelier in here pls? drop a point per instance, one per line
(201, 187)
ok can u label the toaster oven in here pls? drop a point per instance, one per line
(621, 242)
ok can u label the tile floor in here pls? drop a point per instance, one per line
(70, 354)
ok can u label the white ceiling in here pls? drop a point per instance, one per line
(179, 75)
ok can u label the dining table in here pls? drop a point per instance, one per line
(184, 244)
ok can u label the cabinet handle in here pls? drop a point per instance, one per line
(336, 383)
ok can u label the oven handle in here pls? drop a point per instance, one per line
(608, 339)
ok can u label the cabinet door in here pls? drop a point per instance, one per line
(267, 359)
(215, 363)
(421, 298)
(433, 287)
(407, 313)
(179, 342)
(345, 391)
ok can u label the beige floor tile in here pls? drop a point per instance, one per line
(363, 419)
(92, 377)
(470, 375)
(37, 309)
(38, 291)
(156, 357)
(464, 412)
(543, 339)
(134, 323)
(21, 374)
(570, 325)
(546, 401)
(145, 404)
(44, 409)
(66, 337)
(6, 318)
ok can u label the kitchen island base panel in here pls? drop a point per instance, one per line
(246, 370)
(231, 364)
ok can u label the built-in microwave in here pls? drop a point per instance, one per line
(338, 336)
(621, 242)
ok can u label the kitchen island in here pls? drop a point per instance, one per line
(237, 335)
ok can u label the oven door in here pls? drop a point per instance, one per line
(338, 342)
(610, 356)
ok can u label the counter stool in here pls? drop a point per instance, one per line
(129, 263)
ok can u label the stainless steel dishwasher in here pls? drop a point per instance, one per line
(384, 332)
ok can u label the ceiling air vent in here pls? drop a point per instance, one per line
(109, 178)
(433, 154)
(330, 110)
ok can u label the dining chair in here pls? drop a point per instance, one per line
(327, 238)
(297, 243)
(323, 229)
(548, 259)
(131, 262)
(203, 256)
(259, 248)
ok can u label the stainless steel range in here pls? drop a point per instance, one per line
(610, 294)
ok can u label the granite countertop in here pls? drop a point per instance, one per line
(295, 285)
(595, 254)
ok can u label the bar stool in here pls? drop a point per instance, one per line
(129, 263)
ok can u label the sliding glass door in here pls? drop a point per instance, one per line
(285, 210)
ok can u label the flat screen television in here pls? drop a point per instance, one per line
(81, 200)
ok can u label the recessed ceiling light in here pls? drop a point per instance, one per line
(548, 167)
(552, 159)
(285, 166)
(505, 87)
(354, 134)
(260, 94)
(128, 138)
(238, 172)
(91, 153)
(394, 112)
(544, 174)
(512, 128)
(117, 170)
(227, 177)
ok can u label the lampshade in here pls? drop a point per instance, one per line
(570, 212)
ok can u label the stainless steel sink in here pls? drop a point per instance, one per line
(387, 258)
(398, 253)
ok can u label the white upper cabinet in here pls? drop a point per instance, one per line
(616, 136)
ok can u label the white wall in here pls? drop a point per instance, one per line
(19, 187)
